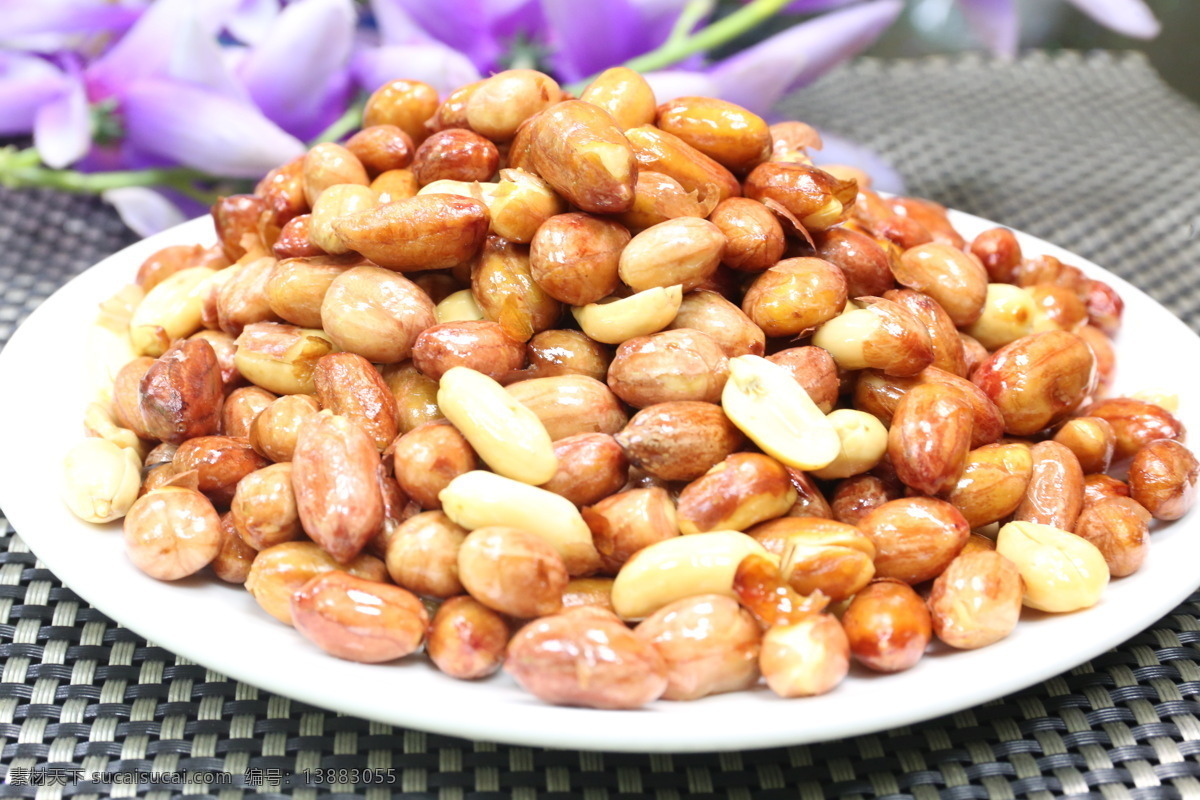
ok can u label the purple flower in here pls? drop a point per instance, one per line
(995, 22)
(53, 25)
(26, 83)
(480, 30)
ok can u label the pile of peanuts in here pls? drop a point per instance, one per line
(628, 399)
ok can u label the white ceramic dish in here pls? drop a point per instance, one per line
(221, 626)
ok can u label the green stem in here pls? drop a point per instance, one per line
(351, 119)
(692, 13)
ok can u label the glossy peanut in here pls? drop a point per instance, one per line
(1135, 423)
(796, 296)
(466, 639)
(1061, 572)
(754, 239)
(1054, 495)
(805, 658)
(1119, 527)
(819, 555)
(394, 185)
(337, 201)
(888, 626)
(422, 554)
(662, 152)
(279, 571)
(578, 149)
(954, 279)
(624, 94)
(238, 215)
(815, 198)
(180, 395)
(357, 619)
(280, 358)
(297, 286)
(683, 251)
(943, 335)
(1163, 477)
(999, 252)
(1092, 441)
(503, 286)
(815, 370)
(930, 437)
(481, 345)
(915, 537)
(739, 492)
(240, 409)
(861, 259)
(233, 559)
(855, 497)
(574, 257)
(329, 164)
(381, 148)
(864, 443)
(1038, 380)
(219, 461)
(427, 458)
(566, 352)
(166, 262)
(456, 155)
(571, 404)
(406, 104)
(976, 601)
(423, 232)
(350, 386)
(1097, 487)
(172, 533)
(675, 365)
(679, 441)
(498, 106)
(1104, 306)
(624, 523)
(512, 571)
(591, 466)
(658, 198)
(729, 134)
(415, 393)
(376, 314)
(992, 484)
(273, 433)
(264, 507)
(880, 394)
(710, 313)
(880, 335)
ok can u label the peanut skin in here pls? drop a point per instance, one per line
(467, 639)
(430, 231)
(357, 619)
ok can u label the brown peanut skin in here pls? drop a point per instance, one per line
(422, 555)
(282, 192)
(947, 344)
(455, 155)
(263, 510)
(794, 297)
(358, 619)
(915, 537)
(1135, 424)
(241, 407)
(863, 262)
(974, 354)
(930, 437)
(888, 626)
(879, 394)
(591, 466)
(662, 152)
(709, 643)
(395, 184)
(684, 251)
(1092, 441)
(234, 217)
(334, 477)
(328, 164)
(172, 533)
(375, 313)
(992, 484)
(711, 314)
(855, 497)
(279, 571)
(999, 252)
(625, 522)
(679, 441)
(498, 106)
(822, 555)
(954, 279)
(403, 103)
(431, 231)
(1102, 349)
(232, 563)
(512, 571)
(1054, 495)
(466, 639)
(350, 386)
(565, 352)
(479, 344)
(427, 458)
(1099, 487)
(805, 658)
(181, 394)
(586, 657)
(1038, 380)
(381, 147)
(297, 286)
(754, 239)
(1104, 307)
(725, 132)
(569, 405)
(1120, 529)
(220, 462)
(166, 262)
(127, 404)
(658, 198)
(675, 365)
(242, 299)
(574, 257)
(503, 286)
(810, 502)
(976, 601)
(743, 490)
(932, 216)
(273, 432)
(561, 149)
(1163, 477)
(624, 94)
(804, 190)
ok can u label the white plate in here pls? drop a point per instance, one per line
(221, 627)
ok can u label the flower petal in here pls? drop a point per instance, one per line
(62, 131)
(146, 50)
(26, 84)
(396, 26)
(204, 130)
(439, 66)
(297, 75)
(589, 37)
(144, 210)
(1130, 17)
(23, 18)
(995, 23)
(251, 20)
(671, 83)
(758, 76)
(479, 29)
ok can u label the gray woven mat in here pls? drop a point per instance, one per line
(1094, 153)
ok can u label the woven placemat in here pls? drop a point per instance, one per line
(1093, 153)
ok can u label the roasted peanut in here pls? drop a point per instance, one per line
(455, 154)
(624, 94)
(974, 354)
(709, 643)
(1099, 487)
(169, 311)
(1102, 348)
(796, 296)
(814, 369)
(805, 658)
(754, 239)
(180, 395)
(684, 251)
(395, 185)
(101, 480)
(1104, 306)
(888, 626)
(520, 204)
(879, 395)
(814, 197)
(915, 537)
(1119, 527)
(1038, 380)
(614, 320)
(1061, 571)
(334, 478)
(98, 421)
(1054, 495)
(512, 571)
(171, 533)
(281, 358)
(498, 105)
(126, 402)
(739, 492)
(675, 365)
(976, 601)
(624, 523)
(381, 148)
(279, 571)
(662, 152)
(326, 165)
(240, 409)
(422, 554)
(592, 592)
(679, 567)
(571, 404)
(297, 286)
(357, 619)
(273, 433)
(457, 306)
(166, 262)
(864, 441)
(335, 202)
(580, 151)
(1092, 441)
(427, 458)
(880, 336)
(1163, 477)
(999, 252)
(819, 555)
(930, 437)
(954, 279)
(943, 335)
(403, 103)
(350, 386)
(679, 441)
(466, 639)
(415, 393)
(727, 133)
(219, 461)
(423, 232)
(930, 216)
(591, 466)
(481, 345)
(574, 257)
(658, 198)
(503, 286)
(1135, 423)
(564, 352)
(856, 496)
(710, 313)
(790, 141)
(586, 657)
(481, 499)
(232, 563)
(238, 216)
(992, 483)
(863, 262)
(264, 507)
